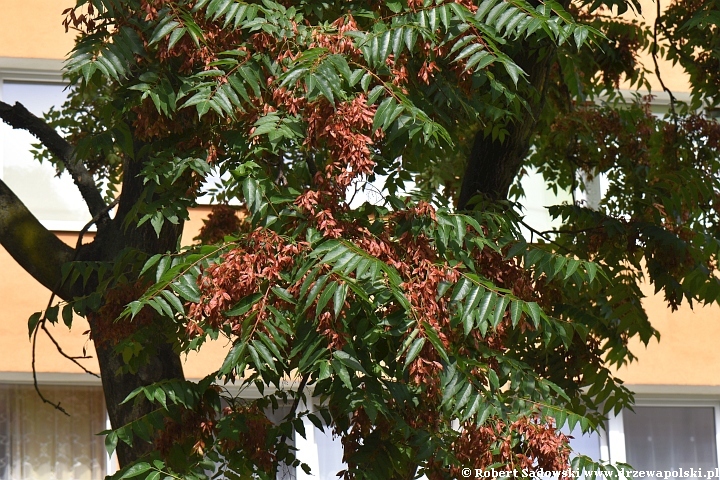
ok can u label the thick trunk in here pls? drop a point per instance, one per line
(163, 364)
(493, 165)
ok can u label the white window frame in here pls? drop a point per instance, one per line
(663, 396)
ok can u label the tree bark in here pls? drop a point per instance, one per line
(163, 364)
(493, 165)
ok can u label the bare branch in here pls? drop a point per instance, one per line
(654, 52)
(74, 360)
(56, 406)
(34, 247)
(19, 117)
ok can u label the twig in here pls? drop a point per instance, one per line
(35, 381)
(541, 235)
(572, 232)
(296, 402)
(654, 53)
(43, 320)
(72, 359)
(95, 219)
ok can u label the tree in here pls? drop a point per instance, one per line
(434, 337)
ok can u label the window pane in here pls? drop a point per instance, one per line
(285, 472)
(49, 198)
(330, 453)
(587, 444)
(670, 438)
(38, 442)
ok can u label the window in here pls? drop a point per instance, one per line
(670, 438)
(38, 442)
(60, 205)
(321, 451)
(589, 444)
(667, 435)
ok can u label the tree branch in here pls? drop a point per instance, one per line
(34, 247)
(19, 117)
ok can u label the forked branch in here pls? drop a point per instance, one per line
(19, 117)
(33, 246)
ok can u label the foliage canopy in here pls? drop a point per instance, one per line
(429, 337)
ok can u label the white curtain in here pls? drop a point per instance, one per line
(38, 442)
(670, 438)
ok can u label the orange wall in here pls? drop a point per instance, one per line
(21, 295)
(687, 353)
(33, 29)
(673, 77)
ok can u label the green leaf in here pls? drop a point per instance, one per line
(437, 344)
(174, 301)
(573, 265)
(244, 305)
(135, 470)
(342, 372)
(150, 263)
(349, 361)
(323, 86)
(111, 440)
(264, 353)
(468, 315)
(189, 293)
(67, 315)
(462, 288)
(232, 359)
(175, 36)
(383, 112)
(535, 312)
(163, 28)
(283, 294)
(483, 8)
(469, 50)
(51, 314)
(463, 396)
(162, 267)
(516, 309)
(591, 270)
(414, 350)
(580, 35)
(292, 76)
(499, 310)
(485, 306)
(328, 293)
(339, 299)
(395, 6)
(479, 61)
(161, 397)
(513, 70)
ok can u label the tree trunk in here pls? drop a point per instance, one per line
(493, 165)
(162, 362)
